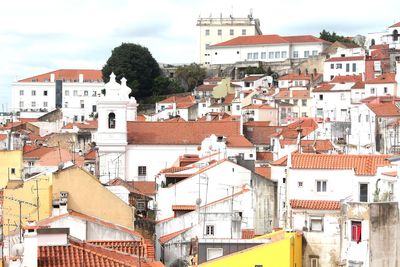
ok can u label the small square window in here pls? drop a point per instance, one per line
(13, 171)
(33, 92)
(45, 93)
(321, 186)
(210, 229)
(21, 92)
(316, 224)
(300, 184)
(142, 170)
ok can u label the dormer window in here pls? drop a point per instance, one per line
(111, 120)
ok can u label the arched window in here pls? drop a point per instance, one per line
(372, 42)
(111, 120)
(395, 35)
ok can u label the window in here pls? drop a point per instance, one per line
(94, 93)
(321, 186)
(367, 118)
(263, 55)
(277, 54)
(332, 67)
(295, 54)
(213, 253)
(75, 117)
(295, 102)
(231, 32)
(13, 171)
(356, 231)
(314, 262)
(244, 32)
(321, 97)
(342, 96)
(316, 224)
(372, 42)
(347, 67)
(65, 104)
(33, 92)
(45, 104)
(141, 205)
(300, 184)
(363, 192)
(85, 93)
(255, 55)
(339, 66)
(207, 32)
(372, 91)
(250, 155)
(249, 55)
(142, 171)
(21, 92)
(66, 92)
(82, 104)
(385, 90)
(94, 108)
(304, 102)
(219, 32)
(271, 54)
(75, 92)
(395, 36)
(304, 114)
(306, 54)
(210, 229)
(315, 52)
(33, 104)
(354, 67)
(284, 54)
(82, 118)
(237, 107)
(21, 104)
(111, 120)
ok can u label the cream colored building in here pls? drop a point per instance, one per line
(217, 30)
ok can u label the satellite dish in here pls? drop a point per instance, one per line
(198, 201)
(17, 250)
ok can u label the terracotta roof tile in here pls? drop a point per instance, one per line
(323, 87)
(315, 204)
(39, 152)
(346, 79)
(382, 79)
(183, 207)
(93, 124)
(252, 78)
(67, 75)
(339, 59)
(264, 171)
(257, 123)
(387, 109)
(205, 87)
(395, 25)
(248, 233)
(295, 77)
(304, 39)
(184, 133)
(361, 164)
(359, 85)
(165, 238)
(270, 39)
(91, 155)
(258, 106)
(295, 94)
(268, 156)
(179, 99)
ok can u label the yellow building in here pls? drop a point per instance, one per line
(32, 193)
(223, 89)
(10, 166)
(88, 196)
(284, 251)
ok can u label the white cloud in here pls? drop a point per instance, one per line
(42, 35)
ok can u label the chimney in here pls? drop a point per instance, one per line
(56, 208)
(81, 78)
(30, 258)
(63, 208)
(52, 77)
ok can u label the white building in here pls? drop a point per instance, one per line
(342, 66)
(265, 48)
(216, 30)
(390, 36)
(74, 91)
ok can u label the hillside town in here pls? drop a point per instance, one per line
(295, 164)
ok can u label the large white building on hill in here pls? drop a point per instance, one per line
(74, 91)
(216, 30)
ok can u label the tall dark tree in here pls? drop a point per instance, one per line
(190, 76)
(136, 64)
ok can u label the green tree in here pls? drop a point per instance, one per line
(333, 37)
(254, 70)
(190, 76)
(136, 64)
(164, 86)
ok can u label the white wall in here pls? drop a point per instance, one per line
(331, 68)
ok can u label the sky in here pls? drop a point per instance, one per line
(45, 35)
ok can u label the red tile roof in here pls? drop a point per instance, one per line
(270, 39)
(147, 188)
(339, 59)
(184, 133)
(310, 146)
(380, 46)
(257, 123)
(258, 106)
(324, 87)
(361, 164)
(39, 152)
(183, 207)
(264, 156)
(127, 246)
(315, 204)
(304, 39)
(295, 77)
(248, 233)
(296, 94)
(67, 75)
(346, 79)
(165, 238)
(387, 109)
(395, 25)
(358, 85)
(91, 155)
(264, 171)
(205, 87)
(178, 99)
(382, 79)
(213, 79)
(252, 78)
(89, 125)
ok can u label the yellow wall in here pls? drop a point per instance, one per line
(10, 159)
(88, 196)
(28, 193)
(286, 252)
(222, 89)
